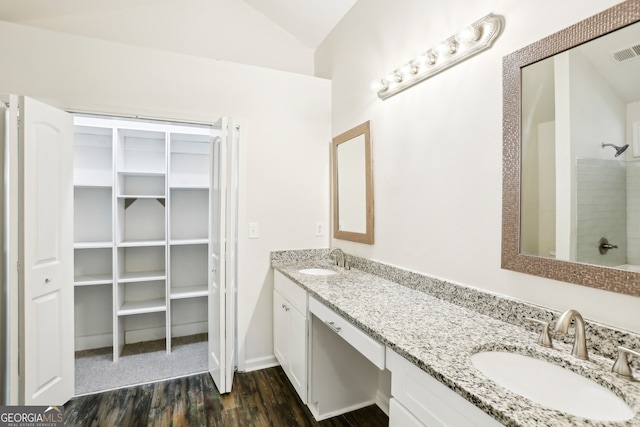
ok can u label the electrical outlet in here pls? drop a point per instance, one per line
(319, 228)
(253, 230)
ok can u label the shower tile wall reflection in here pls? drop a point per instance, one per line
(633, 213)
(601, 210)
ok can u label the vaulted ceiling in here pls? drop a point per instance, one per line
(280, 34)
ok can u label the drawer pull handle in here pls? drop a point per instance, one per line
(332, 326)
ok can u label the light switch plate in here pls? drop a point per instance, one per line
(253, 230)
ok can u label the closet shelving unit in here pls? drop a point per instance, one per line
(93, 235)
(142, 231)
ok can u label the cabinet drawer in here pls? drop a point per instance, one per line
(433, 403)
(294, 293)
(370, 348)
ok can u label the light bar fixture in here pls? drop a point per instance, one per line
(465, 43)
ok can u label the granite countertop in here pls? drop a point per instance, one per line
(439, 337)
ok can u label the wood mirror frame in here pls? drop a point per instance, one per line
(367, 236)
(606, 278)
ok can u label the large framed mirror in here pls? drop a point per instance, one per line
(353, 185)
(571, 152)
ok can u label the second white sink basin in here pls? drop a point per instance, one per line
(551, 386)
(317, 271)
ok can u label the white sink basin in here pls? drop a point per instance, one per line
(317, 271)
(551, 386)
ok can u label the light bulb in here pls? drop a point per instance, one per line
(420, 60)
(409, 69)
(468, 34)
(379, 85)
(394, 77)
(446, 48)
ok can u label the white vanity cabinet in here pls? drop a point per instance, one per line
(420, 400)
(142, 231)
(290, 331)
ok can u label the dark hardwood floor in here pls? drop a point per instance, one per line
(259, 398)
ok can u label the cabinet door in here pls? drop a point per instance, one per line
(399, 416)
(297, 347)
(430, 401)
(280, 329)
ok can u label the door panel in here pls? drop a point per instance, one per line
(217, 350)
(222, 283)
(233, 142)
(280, 330)
(297, 352)
(46, 247)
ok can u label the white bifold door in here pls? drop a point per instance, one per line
(222, 280)
(41, 253)
(45, 271)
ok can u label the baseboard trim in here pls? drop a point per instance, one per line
(93, 341)
(187, 329)
(146, 334)
(89, 342)
(314, 408)
(260, 363)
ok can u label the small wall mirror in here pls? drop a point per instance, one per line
(353, 185)
(570, 153)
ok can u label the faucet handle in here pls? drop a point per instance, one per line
(621, 365)
(544, 339)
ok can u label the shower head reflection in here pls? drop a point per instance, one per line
(619, 150)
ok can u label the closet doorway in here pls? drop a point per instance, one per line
(152, 262)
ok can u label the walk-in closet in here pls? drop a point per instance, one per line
(142, 245)
(142, 236)
(121, 235)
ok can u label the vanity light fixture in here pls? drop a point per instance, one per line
(465, 43)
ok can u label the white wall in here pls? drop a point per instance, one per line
(437, 148)
(285, 171)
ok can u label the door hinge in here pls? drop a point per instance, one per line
(19, 266)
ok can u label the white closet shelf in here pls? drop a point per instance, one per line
(189, 186)
(191, 241)
(142, 307)
(93, 279)
(142, 196)
(189, 292)
(92, 245)
(142, 173)
(141, 243)
(90, 186)
(142, 276)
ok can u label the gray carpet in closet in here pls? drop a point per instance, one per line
(99, 372)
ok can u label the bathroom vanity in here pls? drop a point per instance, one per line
(370, 340)
(348, 369)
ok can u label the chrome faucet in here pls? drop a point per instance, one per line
(580, 342)
(343, 259)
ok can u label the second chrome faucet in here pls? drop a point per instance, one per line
(343, 258)
(580, 342)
